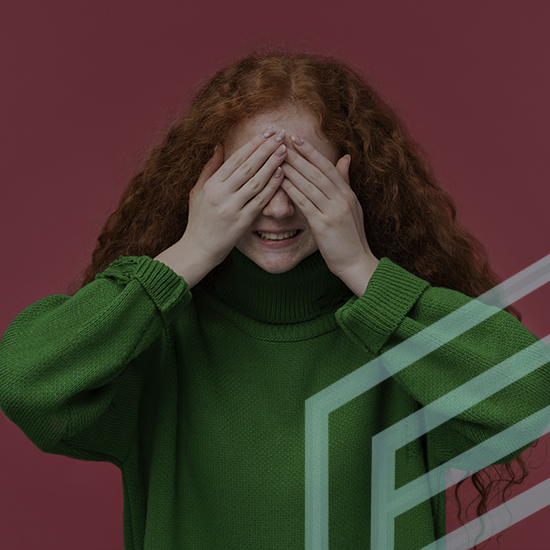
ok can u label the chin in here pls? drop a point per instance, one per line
(276, 268)
(276, 261)
(272, 264)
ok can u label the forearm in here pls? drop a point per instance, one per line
(440, 355)
(62, 358)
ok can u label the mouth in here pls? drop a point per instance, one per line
(273, 240)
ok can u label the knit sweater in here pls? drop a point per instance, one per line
(198, 397)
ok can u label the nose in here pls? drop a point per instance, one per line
(280, 206)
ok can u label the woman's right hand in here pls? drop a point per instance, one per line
(229, 195)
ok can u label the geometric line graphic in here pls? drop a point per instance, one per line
(387, 503)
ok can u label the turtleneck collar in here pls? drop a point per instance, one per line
(305, 292)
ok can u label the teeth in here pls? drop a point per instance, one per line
(277, 236)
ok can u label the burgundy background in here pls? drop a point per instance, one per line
(87, 86)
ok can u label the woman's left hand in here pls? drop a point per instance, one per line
(323, 194)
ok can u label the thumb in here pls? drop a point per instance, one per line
(211, 167)
(343, 167)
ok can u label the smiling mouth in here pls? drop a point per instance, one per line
(278, 236)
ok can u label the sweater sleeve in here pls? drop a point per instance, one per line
(397, 305)
(70, 365)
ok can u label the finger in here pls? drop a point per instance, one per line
(309, 156)
(343, 166)
(258, 181)
(247, 160)
(259, 201)
(313, 193)
(210, 168)
(299, 199)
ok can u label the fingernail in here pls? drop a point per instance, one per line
(297, 140)
(269, 132)
(280, 151)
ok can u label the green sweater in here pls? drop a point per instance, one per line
(199, 397)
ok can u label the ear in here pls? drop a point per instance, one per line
(343, 167)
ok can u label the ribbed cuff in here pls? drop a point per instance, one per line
(164, 286)
(391, 292)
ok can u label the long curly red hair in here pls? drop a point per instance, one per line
(408, 216)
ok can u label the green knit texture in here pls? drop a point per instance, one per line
(199, 397)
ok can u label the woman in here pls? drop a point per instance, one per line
(203, 322)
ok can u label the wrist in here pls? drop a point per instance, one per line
(358, 277)
(185, 263)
